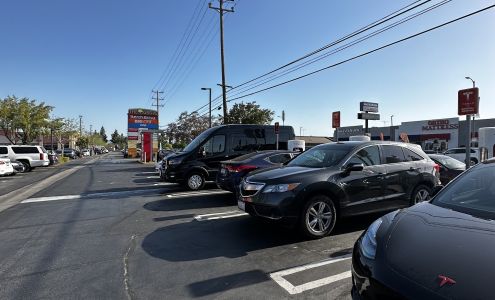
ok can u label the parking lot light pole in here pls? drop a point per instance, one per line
(468, 121)
(209, 90)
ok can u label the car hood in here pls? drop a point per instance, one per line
(281, 174)
(427, 241)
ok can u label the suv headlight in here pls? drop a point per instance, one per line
(280, 188)
(368, 243)
(174, 161)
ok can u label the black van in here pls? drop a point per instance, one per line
(200, 160)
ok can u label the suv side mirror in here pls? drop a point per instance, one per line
(436, 189)
(353, 167)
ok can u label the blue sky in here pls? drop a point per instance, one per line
(98, 58)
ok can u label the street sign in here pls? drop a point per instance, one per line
(277, 127)
(336, 119)
(368, 107)
(367, 116)
(467, 102)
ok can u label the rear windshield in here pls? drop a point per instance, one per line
(472, 193)
(24, 150)
(321, 156)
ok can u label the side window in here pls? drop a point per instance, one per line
(3, 150)
(459, 151)
(239, 143)
(279, 158)
(215, 145)
(25, 150)
(393, 154)
(368, 156)
(411, 155)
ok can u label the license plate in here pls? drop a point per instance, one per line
(241, 205)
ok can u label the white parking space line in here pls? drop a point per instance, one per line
(198, 193)
(221, 215)
(278, 277)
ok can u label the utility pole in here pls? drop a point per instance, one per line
(158, 105)
(209, 90)
(91, 139)
(80, 126)
(221, 10)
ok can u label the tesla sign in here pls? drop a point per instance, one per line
(467, 102)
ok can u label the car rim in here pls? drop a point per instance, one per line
(195, 181)
(422, 195)
(319, 217)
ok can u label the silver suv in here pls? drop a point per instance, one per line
(30, 156)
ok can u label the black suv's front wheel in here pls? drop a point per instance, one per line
(421, 193)
(318, 217)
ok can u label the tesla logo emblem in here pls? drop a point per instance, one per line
(445, 280)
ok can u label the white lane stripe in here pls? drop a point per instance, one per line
(93, 195)
(222, 215)
(187, 194)
(291, 289)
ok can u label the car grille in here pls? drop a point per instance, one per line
(251, 188)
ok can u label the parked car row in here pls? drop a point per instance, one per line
(29, 157)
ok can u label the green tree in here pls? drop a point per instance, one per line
(82, 142)
(185, 129)
(23, 119)
(250, 113)
(115, 137)
(103, 134)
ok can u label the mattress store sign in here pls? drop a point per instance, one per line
(440, 125)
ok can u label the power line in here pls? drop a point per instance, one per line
(168, 68)
(366, 53)
(380, 21)
(385, 19)
(182, 53)
(341, 48)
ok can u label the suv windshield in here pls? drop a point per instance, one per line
(320, 157)
(198, 140)
(472, 193)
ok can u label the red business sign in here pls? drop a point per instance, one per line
(467, 102)
(336, 119)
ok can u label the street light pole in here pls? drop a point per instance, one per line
(209, 90)
(468, 121)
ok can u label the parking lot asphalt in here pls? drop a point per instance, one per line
(112, 230)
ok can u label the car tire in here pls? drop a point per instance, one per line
(318, 217)
(421, 193)
(195, 181)
(27, 167)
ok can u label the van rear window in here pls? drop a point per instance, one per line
(3, 150)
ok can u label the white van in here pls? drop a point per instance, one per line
(30, 156)
(486, 142)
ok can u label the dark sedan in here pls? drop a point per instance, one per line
(441, 249)
(232, 171)
(339, 179)
(450, 168)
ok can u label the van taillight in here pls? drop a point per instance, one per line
(436, 167)
(42, 156)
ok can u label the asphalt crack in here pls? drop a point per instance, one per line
(127, 287)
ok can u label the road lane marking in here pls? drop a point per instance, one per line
(94, 195)
(221, 215)
(197, 193)
(278, 277)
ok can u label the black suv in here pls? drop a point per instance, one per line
(340, 179)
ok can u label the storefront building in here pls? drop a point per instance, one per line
(437, 134)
